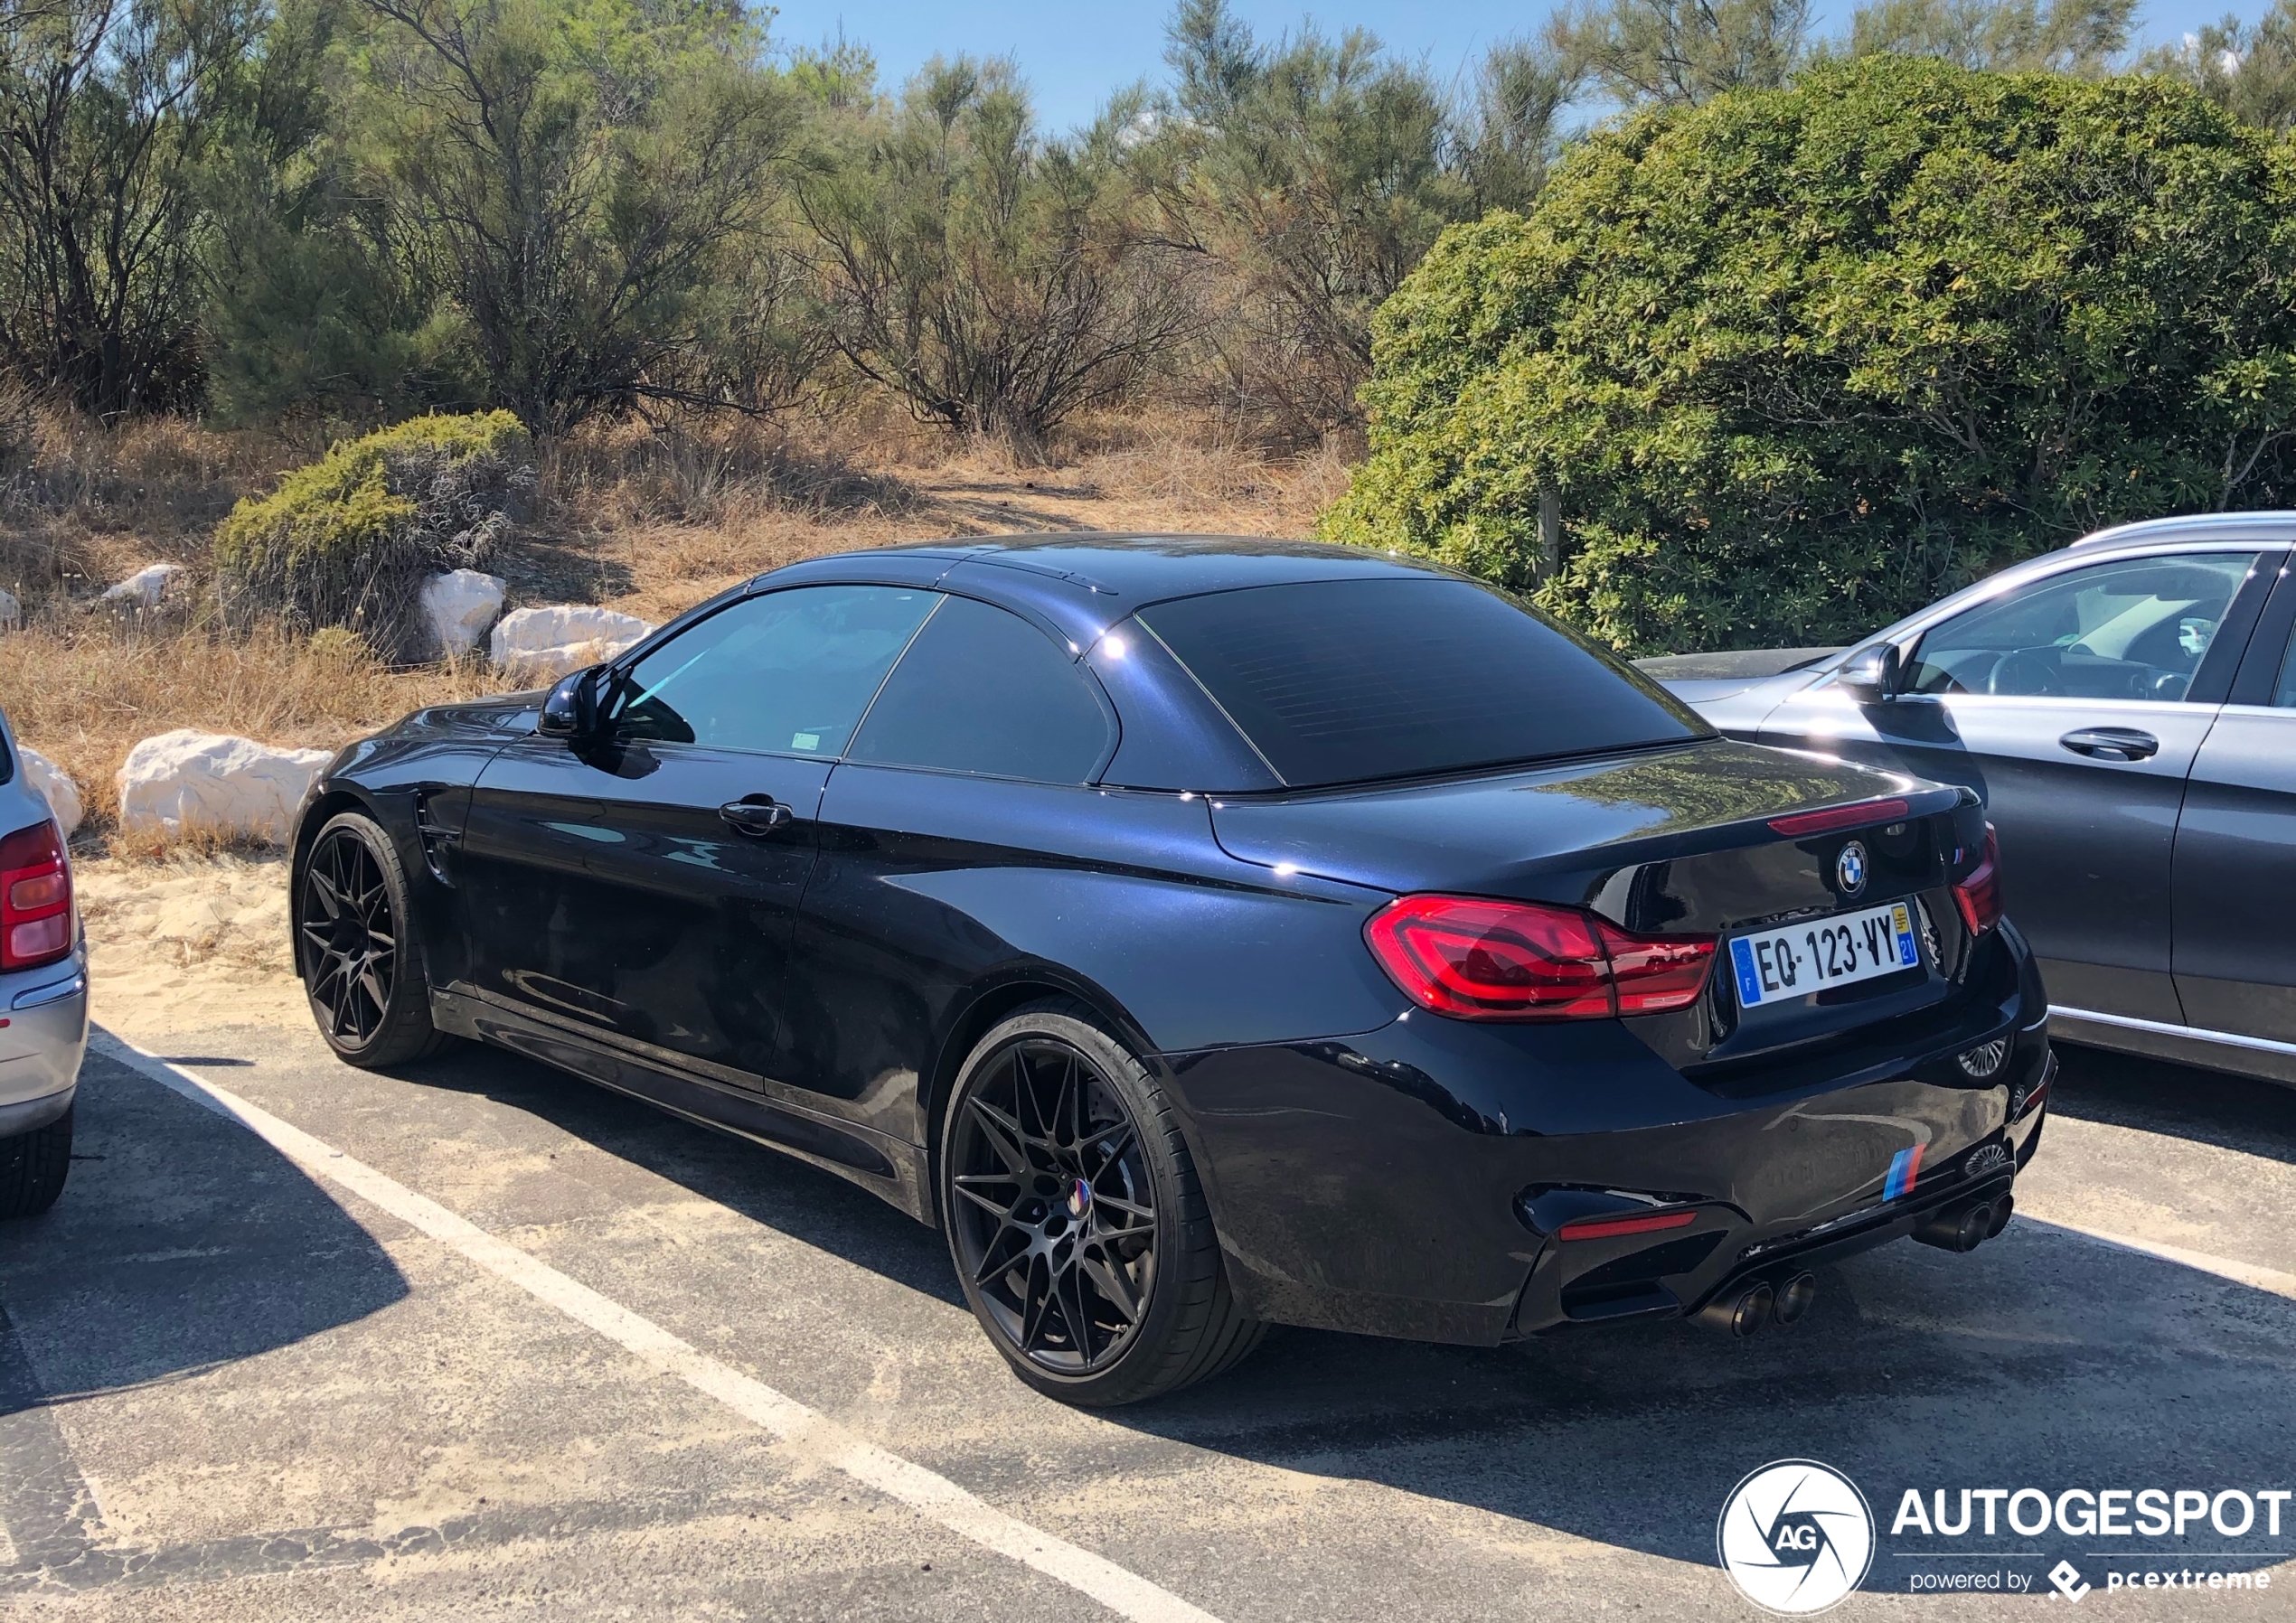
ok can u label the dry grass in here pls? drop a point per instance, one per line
(84, 697)
(82, 505)
(647, 521)
(663, 521)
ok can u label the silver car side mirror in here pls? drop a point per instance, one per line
(1872, 675)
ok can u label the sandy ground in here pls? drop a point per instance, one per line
(188, 940)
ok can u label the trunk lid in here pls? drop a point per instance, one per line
(1669, 841)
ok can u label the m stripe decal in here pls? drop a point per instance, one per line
(1905, 1170)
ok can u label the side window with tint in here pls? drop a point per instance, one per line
(788, 672)
(2136, 628)
(982, 690)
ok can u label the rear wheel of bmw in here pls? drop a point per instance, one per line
(361, 965)
(1076, 1218)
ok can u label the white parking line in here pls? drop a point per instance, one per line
(931, 1495)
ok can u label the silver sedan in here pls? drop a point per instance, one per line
(44, 994)
(2127, 708)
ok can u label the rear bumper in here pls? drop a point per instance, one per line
(1415, 1181)
(43, 1044)
(1677, 1271)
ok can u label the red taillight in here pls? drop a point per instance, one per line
(1604, 1228)
(35, 899)
(1802, 824)
(1978, 895)
(1655, 973)
(1481, 960)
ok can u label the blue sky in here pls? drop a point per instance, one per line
(1074, 54)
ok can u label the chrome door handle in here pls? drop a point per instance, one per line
(2112, 743)
(756, 814)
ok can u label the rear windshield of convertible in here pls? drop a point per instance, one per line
(1345, 681)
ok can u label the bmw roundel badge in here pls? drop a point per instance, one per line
(1849, 869)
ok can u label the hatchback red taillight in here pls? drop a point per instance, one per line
(1481, 960)
(35, 899)
(1979, 893)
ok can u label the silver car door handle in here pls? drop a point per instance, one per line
(2112, 743)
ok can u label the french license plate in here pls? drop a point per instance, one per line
(1805, 958)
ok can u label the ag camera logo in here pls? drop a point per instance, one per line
(1796, 1537)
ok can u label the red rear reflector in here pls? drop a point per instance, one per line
(35, 899)
(1802, 824)
(1603, 1228)
(1481, 960)
(1979, 893)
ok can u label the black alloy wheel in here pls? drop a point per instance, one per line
(1057, 1223)
(1076, 1218)
(364, 976)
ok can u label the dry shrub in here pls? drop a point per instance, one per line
(348, 540)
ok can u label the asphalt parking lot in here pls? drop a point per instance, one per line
(480, 1340)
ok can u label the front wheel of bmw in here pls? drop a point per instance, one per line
(354, 945)
(1076, 1220)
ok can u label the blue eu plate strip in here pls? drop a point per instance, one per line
(1749, 983)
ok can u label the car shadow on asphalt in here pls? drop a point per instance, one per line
(166, 1254)
(2044, 1360)
(759, 1183)
(181, 1243)
(2184, 1102)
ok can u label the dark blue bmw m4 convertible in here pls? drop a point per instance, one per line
(1207, 934)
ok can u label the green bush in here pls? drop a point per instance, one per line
(1795, 362)
(349, 539)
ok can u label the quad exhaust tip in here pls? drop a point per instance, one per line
(1742, 1312)
(1794, 1296)
(1968, 1224)
(1786, 1298)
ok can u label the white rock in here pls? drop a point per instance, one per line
(147, 586)
(186, 780)
(11, 611)
(53, 783)
(460, 605)
(542, 645)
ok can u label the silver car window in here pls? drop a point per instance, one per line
(2128, 628)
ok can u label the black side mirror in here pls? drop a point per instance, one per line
(572, 709)
(1872, 675)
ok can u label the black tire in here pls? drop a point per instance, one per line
(33, 1168)
(354, 946)
(1113, 1292)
